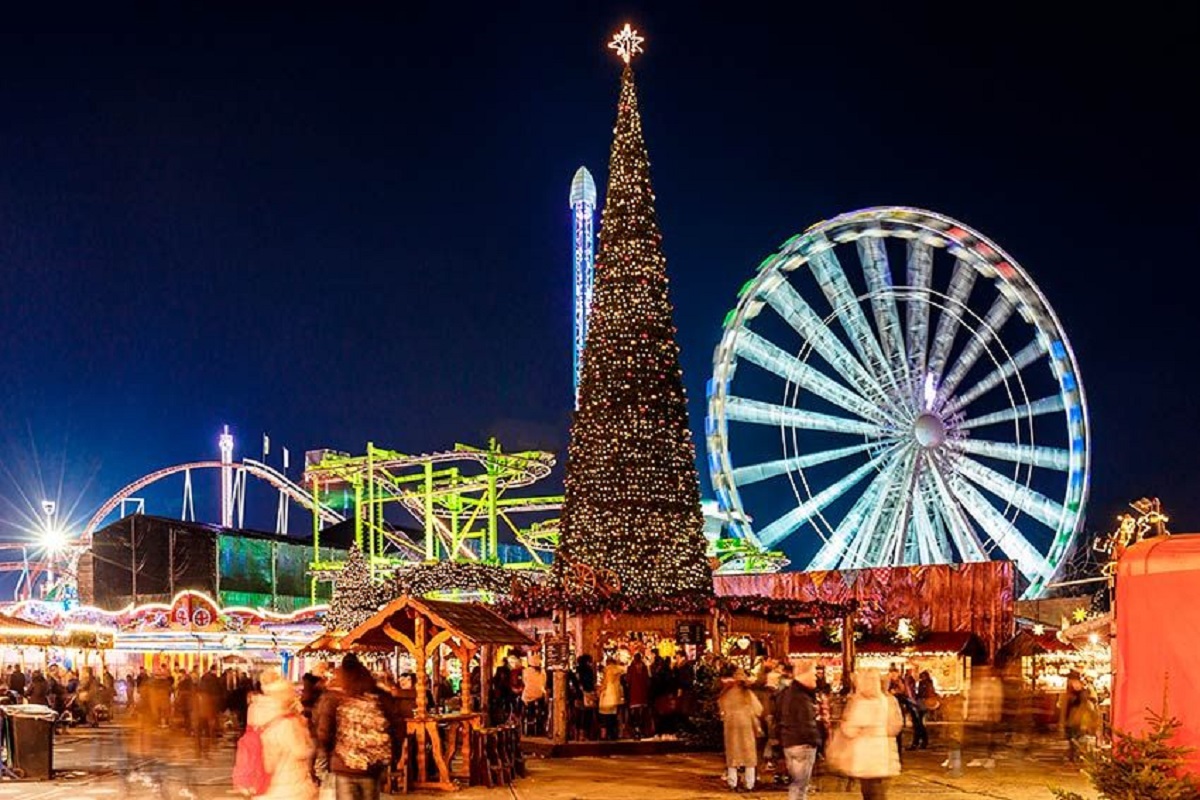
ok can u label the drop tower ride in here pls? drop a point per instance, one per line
(583, 211)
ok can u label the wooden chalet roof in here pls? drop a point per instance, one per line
(333, 643)
(473, 622)
(1026, 643)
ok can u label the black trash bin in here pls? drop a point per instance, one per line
(30, 740)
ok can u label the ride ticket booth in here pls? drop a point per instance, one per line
(420, 628)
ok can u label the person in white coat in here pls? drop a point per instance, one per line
(612, 697)
(286, 745)
(870, 723)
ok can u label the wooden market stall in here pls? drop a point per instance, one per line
(947, 656)
(420, 628)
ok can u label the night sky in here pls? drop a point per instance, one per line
(349, 224)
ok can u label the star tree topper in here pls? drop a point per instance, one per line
(627, 43)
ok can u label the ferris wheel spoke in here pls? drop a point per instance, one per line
(965, 540)
(930, 548)
(920, 270)
(1006, 536)
(887, 546)
(788, 303)
(961, 283)
(758, 350)
(997, 315)
(1055, 458)
(867, 504)
(1030, 501)
(783, 527)
(1047, 405)
(753, 473)
(1027, 355)
(741, 409)
(827, 269)
(878, 272)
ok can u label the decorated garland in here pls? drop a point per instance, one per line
(422, 580)
(542, 600)
(832, 634)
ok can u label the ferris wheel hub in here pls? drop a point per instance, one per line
(929, 431)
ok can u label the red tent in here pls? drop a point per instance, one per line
(1158, 637)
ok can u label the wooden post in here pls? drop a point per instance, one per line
(436, 664)
(559, 722)
(848, 650)
(422, 675)
(485, 684)
(464, 657)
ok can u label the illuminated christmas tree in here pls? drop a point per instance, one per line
(356, 596)
(632, 494)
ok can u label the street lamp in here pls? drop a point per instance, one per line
(54, 539)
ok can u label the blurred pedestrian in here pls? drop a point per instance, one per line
(798, 726)
(210, 703)
(287, 749)
(358, 731)
(741, 715)
(1078, 713)
(39, 689)
(871, 722)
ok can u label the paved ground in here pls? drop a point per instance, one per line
(110, 763)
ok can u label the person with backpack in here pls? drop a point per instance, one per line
(275, 754)
(358, 727)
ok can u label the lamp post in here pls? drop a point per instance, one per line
(50, 540)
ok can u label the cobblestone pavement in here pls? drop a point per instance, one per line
(112, 763)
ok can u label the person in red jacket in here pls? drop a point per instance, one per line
(637, 679)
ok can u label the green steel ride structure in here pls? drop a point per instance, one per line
(461, 497)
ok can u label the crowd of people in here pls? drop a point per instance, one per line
(787, 718)
(83, 696)
(784, 717)
(345, 726)
(647, 697)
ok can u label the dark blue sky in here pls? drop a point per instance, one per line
(341, 224)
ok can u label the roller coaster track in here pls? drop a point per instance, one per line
(294, 491)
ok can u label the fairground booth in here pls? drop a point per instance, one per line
(191, 630)
(1158, 626)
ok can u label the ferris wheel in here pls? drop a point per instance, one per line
(895, 385)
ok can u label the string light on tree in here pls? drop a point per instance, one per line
(632, 501)
(355, 595)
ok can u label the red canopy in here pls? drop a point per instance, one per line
(1158, 626)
